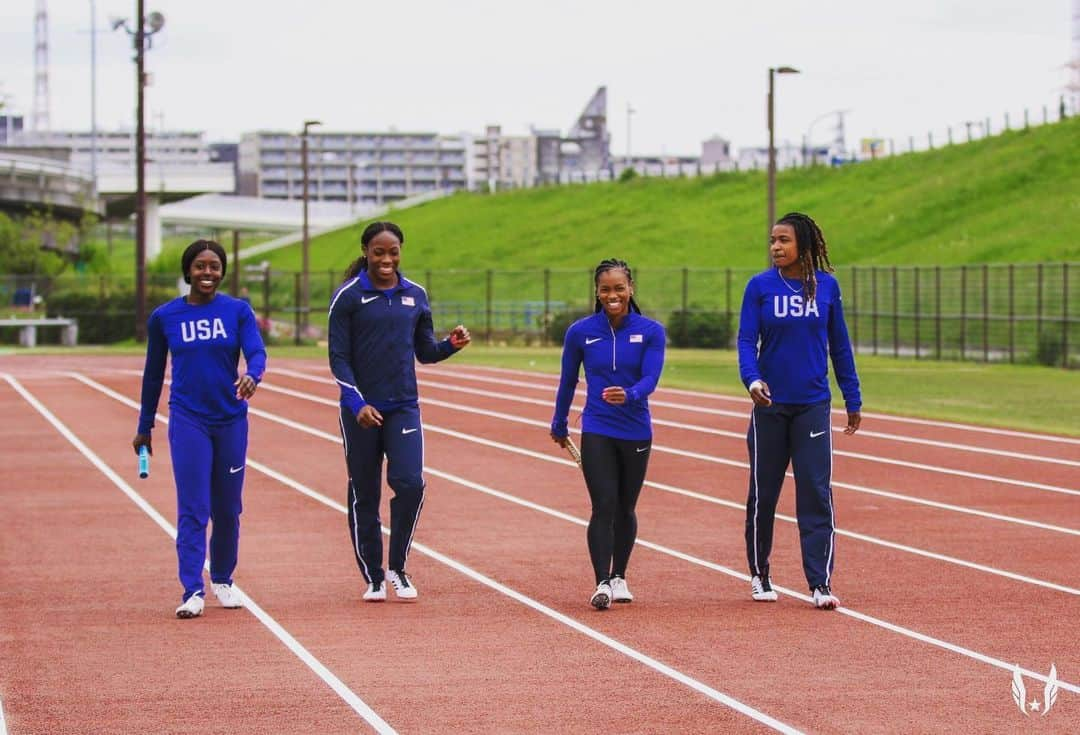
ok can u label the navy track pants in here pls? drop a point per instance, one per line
(208, 466)
(401, 440)
(801, 435)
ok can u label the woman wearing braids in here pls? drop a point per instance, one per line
(791, 322)
(379, 325)
(623, 354)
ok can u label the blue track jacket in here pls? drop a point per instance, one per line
(375, 338)
(786, 341)
(205, 341)
(631, 356)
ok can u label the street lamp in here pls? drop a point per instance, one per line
(773, 71)
(304, 293)
(145, 27)
(629, 111)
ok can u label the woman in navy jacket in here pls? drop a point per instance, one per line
(379, 324)
(792, 321)
(623, 354)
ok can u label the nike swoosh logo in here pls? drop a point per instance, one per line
(594, 339)
(407, 431)
(814, 435)
(642, 449)
(234, 470)
(367, 299)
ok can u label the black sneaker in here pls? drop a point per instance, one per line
(824, 599)
(761, 589)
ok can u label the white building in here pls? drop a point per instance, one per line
(365, 167)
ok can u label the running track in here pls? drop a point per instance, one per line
(958, 558)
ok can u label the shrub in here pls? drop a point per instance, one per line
(628, 174)
(1050, 349)
(104, 316)
(697, 328)
(561, 321)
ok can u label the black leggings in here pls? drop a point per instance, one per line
(614, 473)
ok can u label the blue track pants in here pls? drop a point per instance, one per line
(401, 440)
(801, 435)
(208, 465)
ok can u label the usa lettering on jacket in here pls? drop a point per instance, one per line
(202, 330)
(793, 305)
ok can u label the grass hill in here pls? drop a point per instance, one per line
(1013, 198)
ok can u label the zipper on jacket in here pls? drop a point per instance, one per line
(612, 346)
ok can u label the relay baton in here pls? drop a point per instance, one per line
(574, 451)
(144, 462)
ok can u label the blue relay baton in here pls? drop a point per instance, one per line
(144, 462)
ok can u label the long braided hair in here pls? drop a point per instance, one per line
(359, 265)
(608, 265)
(813, 252)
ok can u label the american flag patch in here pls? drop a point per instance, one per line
(408, 301)
(635, 337)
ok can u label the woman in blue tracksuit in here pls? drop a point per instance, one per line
(379, 324)
(792, 321)
(623, 354)
(205, 332)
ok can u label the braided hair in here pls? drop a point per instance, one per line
(359, 265)
(609, 265)
(813, 252)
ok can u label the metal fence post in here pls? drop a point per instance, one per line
(685, 303)
(873, 307)
(296, 306)
(937, 312)
(855, 307)
(986, 312)
(547, 307)
(266, 297)
(1064, 315)
(1038, 300)
(1012, 318)
(963, 312)
(917, 312)
(490, 288)
(895, 313)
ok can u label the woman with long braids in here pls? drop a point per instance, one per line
(623, 354)
(379, 325)
(792, 321)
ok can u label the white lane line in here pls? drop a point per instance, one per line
(892, 627)
(566, 620)
(744, 414)
(684, 453)
(3, 722)
(742, 437)
(742, 400)
(339, 687)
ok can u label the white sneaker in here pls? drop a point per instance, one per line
(228, 595)
(761, 589)
(376, 592)
(403, 587)
(619, 591)
(601, 599)
(824, 599)
(192, 607)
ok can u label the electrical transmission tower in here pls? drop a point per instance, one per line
(40, 117)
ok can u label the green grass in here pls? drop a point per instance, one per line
(990, 395)
(1010, 198)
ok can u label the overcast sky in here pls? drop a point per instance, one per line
(690, 69)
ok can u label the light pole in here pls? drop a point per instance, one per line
(773, 71)
(629, 111)
(304, 293)
(145, 27)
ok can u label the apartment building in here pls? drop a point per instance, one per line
(117, 147)
(357, 167)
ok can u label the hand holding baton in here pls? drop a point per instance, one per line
(144, 462)
(574, 451)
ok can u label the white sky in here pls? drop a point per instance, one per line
(691, 69)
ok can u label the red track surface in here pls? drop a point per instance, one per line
(947, 579)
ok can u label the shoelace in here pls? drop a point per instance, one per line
(400, 580)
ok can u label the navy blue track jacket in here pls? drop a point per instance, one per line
(375, 336)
